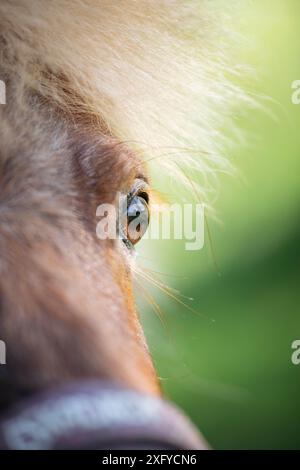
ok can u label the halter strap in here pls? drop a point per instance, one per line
(97, 415)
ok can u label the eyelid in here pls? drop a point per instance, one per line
(140, 188)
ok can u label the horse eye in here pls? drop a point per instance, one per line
(138, 216)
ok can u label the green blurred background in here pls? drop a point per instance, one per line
(229, 367)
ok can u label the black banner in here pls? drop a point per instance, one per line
(137, 458)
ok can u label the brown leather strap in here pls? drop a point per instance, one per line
(97, 415)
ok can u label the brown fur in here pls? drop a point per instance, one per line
(66, 308)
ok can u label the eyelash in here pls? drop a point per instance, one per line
(140, 188)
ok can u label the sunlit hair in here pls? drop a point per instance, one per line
(155, 74)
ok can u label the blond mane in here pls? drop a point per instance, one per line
(152, 73)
